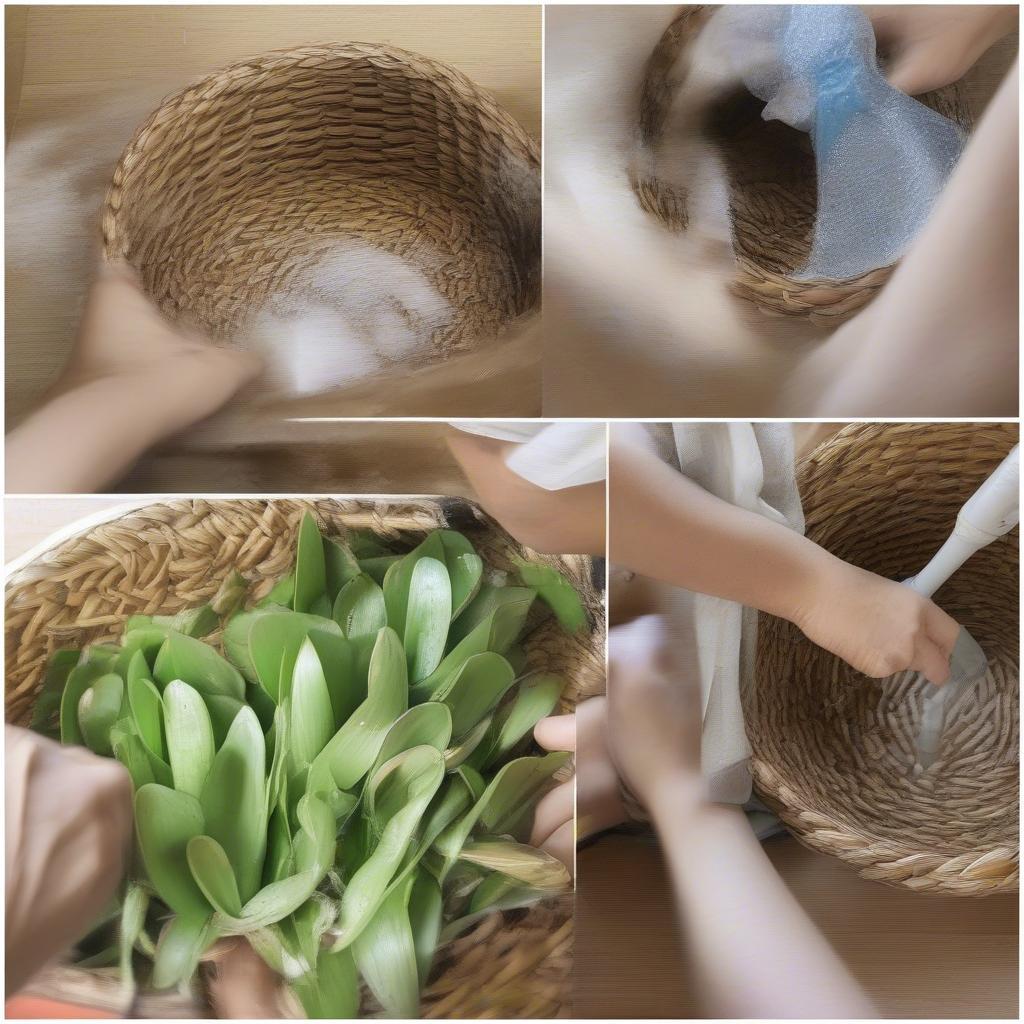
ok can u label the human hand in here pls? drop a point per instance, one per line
(68, 822)
(932, 45)
(654, 716)
(877, 626)
(133, 379)
(124, 340)
(553, 821)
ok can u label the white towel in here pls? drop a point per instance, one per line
(750, 465)
(551, 455)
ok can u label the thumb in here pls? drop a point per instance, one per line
(557, 732)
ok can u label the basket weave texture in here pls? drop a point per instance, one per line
(772, 185)
(171, 555)
(240, 185)
(832, 748)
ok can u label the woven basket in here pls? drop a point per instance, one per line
(171, 555)
(772, 185)
(242, 184)
(832, 749)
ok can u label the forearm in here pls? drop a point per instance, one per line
(81, 440)
(566, 521)
(755, 952)
(692, 539)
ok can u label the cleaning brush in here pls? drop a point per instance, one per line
(988, 514)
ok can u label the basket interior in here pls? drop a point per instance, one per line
(237, 189)
(770, 167)
(839, 744)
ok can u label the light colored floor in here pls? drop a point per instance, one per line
(918, 956)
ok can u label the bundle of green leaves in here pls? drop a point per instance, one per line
(342, 781)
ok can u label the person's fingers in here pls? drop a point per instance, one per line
(558, 732)
(562, 844)
(942, 629)
(931, 661)
(553, 811)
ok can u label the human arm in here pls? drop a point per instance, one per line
(932, 45)
(755, 952)
(565, 521)
(67, 826)
(665, 526)
(133, 379)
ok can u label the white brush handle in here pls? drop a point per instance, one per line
(990, 512)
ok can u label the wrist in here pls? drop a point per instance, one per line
(813, 575)
(676, 793)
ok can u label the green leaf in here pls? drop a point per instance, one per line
(310, 567)
(377, 567)
(133, 920)
(132, 753)
(282, 594)
(312, 716)
(537, 697)
(401, 799)
(354, 747)
(386, 957)
(332, 991)
(340, 566)
(212, 872)
(425, 725)
(426, 908)
(148, 714)
(230, 595)
(495, 892)
(81, 677)
(223, 711)
(476, 690)
(265, 643)
(193, 622)
(280, 860)
(556, 592)
(509, 796)
(487, 600)
(346, 682)
(461, 751)
(359, 608)
(365, 544)
(234, 802)
(314, 849)
(428, 613)
(98, 710)
(310, 922)
(181, 944)
(190, 747)
(526, 864)
(399, 579)
(59, 668)
(496, 634)
(199, 665)
(165, 821)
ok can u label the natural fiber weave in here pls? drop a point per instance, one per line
(832, 748)
(175, 554)
(244, 182)
(772, 185)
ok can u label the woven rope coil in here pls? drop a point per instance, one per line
(242, 184)
(171, 555)
(833, 750)
(772, 185)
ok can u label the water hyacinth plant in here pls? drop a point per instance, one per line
(336, 773)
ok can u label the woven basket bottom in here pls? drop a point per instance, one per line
(864, 742)
(266, 250)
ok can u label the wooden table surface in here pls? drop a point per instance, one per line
(79, 81)
(918, 956)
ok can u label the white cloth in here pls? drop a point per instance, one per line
(750, 465)
(551, 455)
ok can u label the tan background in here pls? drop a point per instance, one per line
(79, 81)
